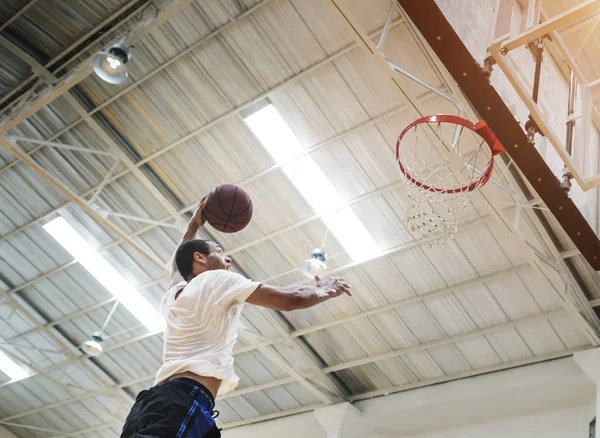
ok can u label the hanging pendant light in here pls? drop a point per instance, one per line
(110, 66)
(93, 346)
(315, 266)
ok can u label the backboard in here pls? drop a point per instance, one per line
(529, 73)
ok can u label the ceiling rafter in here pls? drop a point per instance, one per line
(75, 76)
(395, 250)
(364, 314)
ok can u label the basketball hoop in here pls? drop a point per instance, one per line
(444, 160)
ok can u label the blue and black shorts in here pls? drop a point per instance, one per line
(178, 408)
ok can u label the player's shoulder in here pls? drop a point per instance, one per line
(217, 275)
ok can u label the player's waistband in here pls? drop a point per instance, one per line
(194, 388)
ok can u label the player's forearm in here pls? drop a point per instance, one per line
(191, 232)
(308, 296)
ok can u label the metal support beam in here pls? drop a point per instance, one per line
(103, 183)
(445, 341)
(99, 27)
(139, 219)
(109, 389)
(116, 151)
(196, 132)
(301, 332)
(37, 429)
(69, 389)
(200, 43)
(386, 26)
(350, 318)
(231, 113)
(54, 337)
(274, 357)
(584, 325)
(457, 338)
(584, 10)
(81, 203)
(420, 81)
(73, 46)
(394, 250)
(18, 14)
(377, 393)
(378, 59)
(589, 329)
(58, 145)
(71, 79)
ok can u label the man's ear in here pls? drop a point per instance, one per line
(199, 257)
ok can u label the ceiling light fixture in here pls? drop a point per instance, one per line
(315, 266)
(11, 368)
(93, 346)
(105, 273)
(110, 66)
(280, 141)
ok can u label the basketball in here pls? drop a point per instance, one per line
(228, 208)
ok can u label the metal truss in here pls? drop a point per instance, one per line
(501, 48)
(200, 43)
(364, 314)
(84, 38)
(125, 238)
(25, 108)
(98, 216)
(590, 326)
(65, 318)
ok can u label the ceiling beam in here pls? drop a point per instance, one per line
(117, 152)
(80, 202)
(73, 46)
(471, 373)
(43, 98)
(38, 321)
(18, 14)
(231, 113)
(394, 353)
(198, 44)
(350, 318)
(274, 357)
(394, 250)
(589, 329)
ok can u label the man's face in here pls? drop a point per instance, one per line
(216, 259)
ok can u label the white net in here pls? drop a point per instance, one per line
(443, 165)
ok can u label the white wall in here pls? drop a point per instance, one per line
(552, 399)
(569, 422)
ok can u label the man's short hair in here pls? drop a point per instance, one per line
(184, 257)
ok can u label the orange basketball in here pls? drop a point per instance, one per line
(228, 208)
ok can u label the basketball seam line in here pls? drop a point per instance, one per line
(214, 214)
(221, 227)
(219, 199)
(244, 210)
(231, 222)
(232, 205)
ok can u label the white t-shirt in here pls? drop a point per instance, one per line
(203, 324)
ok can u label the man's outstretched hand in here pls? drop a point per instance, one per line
(334, 286)
(198, 216)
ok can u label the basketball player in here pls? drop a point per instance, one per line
(202, 309)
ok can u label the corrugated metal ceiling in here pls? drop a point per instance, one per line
(418, 314)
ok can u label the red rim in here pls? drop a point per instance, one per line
(480, 128)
